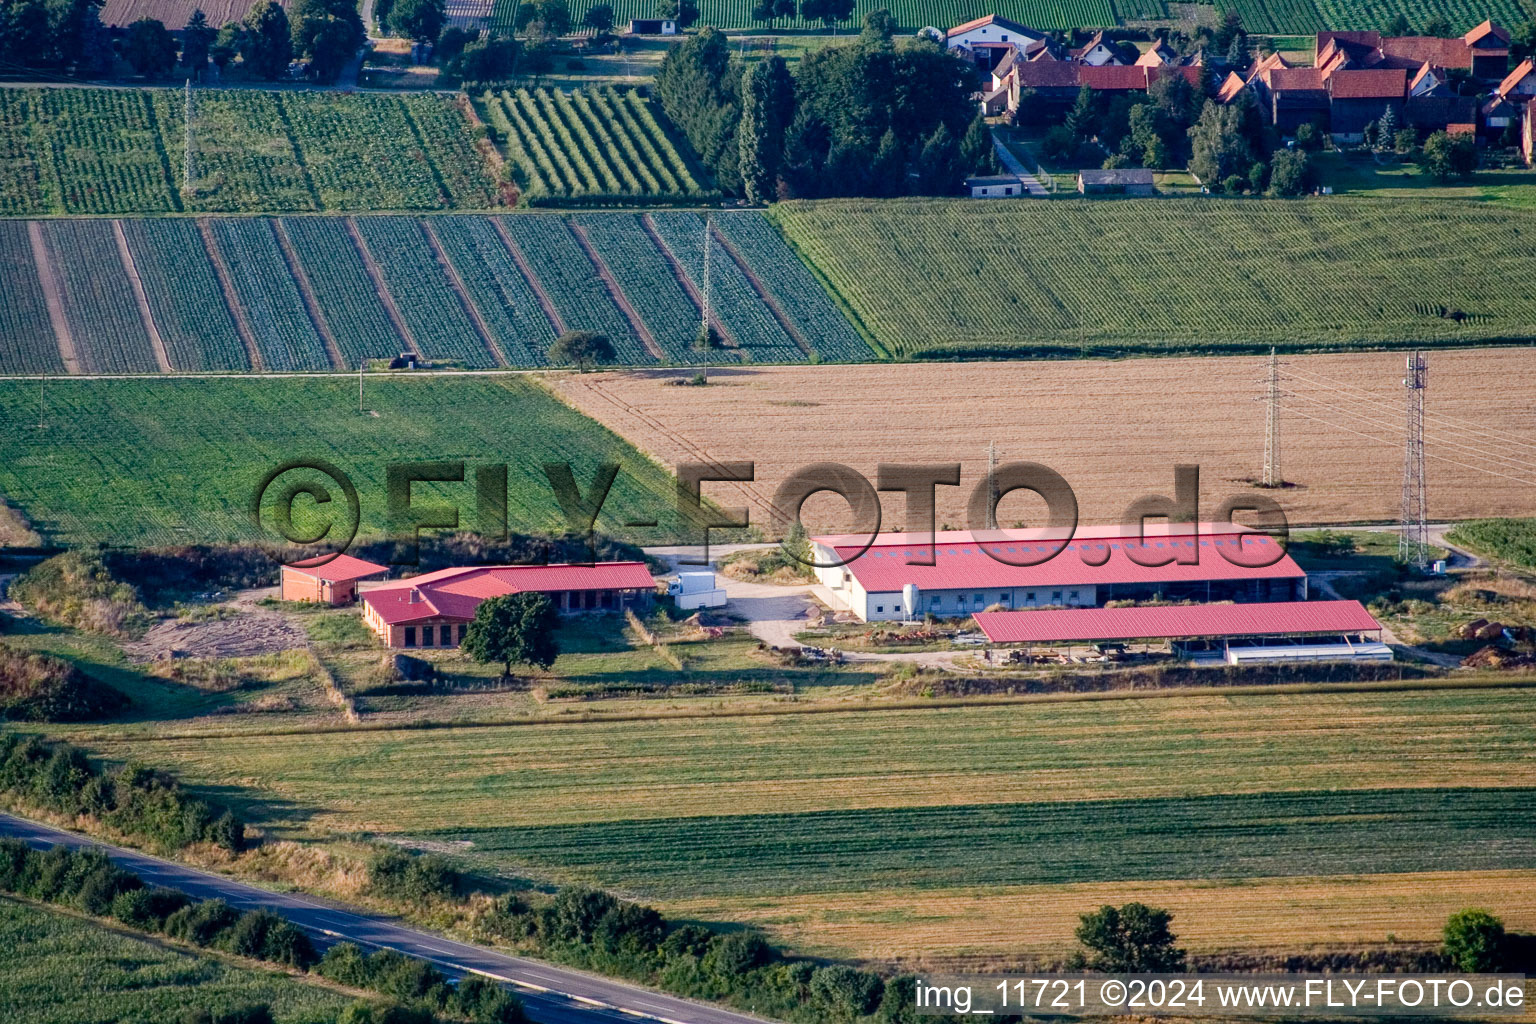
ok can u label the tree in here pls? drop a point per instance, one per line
(1309, 137)
(26, 34)
(1474, 940)
(977, 155)
(150, 48)
(1219, 143)
(1230, 26)
(1405, 141)
(1437, 27)
(514, 629)
(767, 90)
(1446, 156)
(599, 18)
(1083, 116)
(1522, 40)
(938, 167)
(268, 43)
(1238, 55)
(582, 349)
(684, 12)
(785, 8)
(1398, 25)
(229, 42)
(1258, 176)
(544, 19)
(762, 10)
(327, 33)
(1290, 173)
(877, 29)
(421, 20)
(1134, 938)
(196, 39)
(1386, 129)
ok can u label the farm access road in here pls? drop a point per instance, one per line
(551, 995)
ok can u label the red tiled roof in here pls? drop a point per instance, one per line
(960, 562)
(338, 569)
(1295, 80)
(1513, 78)
(456, 593)
(993, 19)
(1461, 129)
(1110, 77)
(1443, 53)
(1280, 618)
(1487, 28)
(1230, 89)
(1047, 74)
(1271, 63)
(1368, 84)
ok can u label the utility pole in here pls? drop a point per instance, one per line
(991, 485)
(1413, 541)
(1272, 475)
(360, 364)
(189, 163)
(707, 247)
(42, 394)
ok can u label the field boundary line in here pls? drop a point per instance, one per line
(53, 297)
(311, 305)
(457, 284)
(881, 352)
(646, 337)
(157, 343)
(231, 297)
(762, 291)
(681, 274)
(376, 275)
(545, 303)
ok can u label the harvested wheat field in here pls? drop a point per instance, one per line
(996, 927)
(1114, 429)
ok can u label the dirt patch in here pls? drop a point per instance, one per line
(243, 635)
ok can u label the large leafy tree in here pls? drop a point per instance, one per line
(1134, 938)
(267, 41)
(515, 629)
(327, 33)
(150, 48)
(582, 349)
(26, 33)
(417, 19)
(684, 12)
(196, 40)
(1446, 156)
(1474, 940)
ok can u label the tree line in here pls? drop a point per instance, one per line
(868, 119)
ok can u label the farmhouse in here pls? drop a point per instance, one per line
(327, 581)
(1231, 634)
(1098, 564)
(994, 186)
(434, 609)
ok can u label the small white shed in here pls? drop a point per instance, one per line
(696, 590)
(994, 186)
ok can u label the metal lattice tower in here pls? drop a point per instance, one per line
(705, 321)
(1413, 542)
(189, 161)
(991, 485)
(1272, 475)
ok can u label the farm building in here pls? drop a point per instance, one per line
(1094, 567)
(652, 27)
(1231, 634)
(1124, 181)
(434, 609)
(994, 186)
(332, 581)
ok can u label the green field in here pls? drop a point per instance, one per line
(1158, 276)
(911, 15)
(62, 969)
(471, 291)
(1508, 540)
(175, 461)
(1310, 16)
(597, 145)
(122, 150)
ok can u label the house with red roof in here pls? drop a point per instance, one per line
(900, 576)
(327, 579)
(434, 609)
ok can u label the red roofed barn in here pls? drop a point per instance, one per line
(332, 581)
(433, 610)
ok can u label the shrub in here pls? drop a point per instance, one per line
(346, 964)
(738, 952)
(148, 908)
(257, 1014)
(76, 589)
(482, 1000)
(1128, 939)
(99, 890)
(1474, 940)
(418, 879)
(846, 992)
(287, 944)
(42, 688)
(203, 923)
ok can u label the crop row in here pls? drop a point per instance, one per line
(184, 295)
(21, 188)
(103, 316)
(910, 14)
(274, 308)
(496, 285)
(243, 148)
(648, 281)
(29, 344)
(343, 289)
(572, 283)
(731, 295)
(432, 311)
(802, 298)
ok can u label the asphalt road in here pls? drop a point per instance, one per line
(551, 995)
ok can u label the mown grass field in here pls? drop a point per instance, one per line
(121, 151)
(1152, 276)
(62, 969)
(143, 462)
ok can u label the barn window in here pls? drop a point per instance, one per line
(410, 636)
(1055, 597)
(933, 602)
(879, 608)
(445, 635)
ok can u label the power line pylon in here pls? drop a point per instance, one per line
(707, 246)
(1272, 475)
(1413, 540)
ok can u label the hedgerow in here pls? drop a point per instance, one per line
(42, 688)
